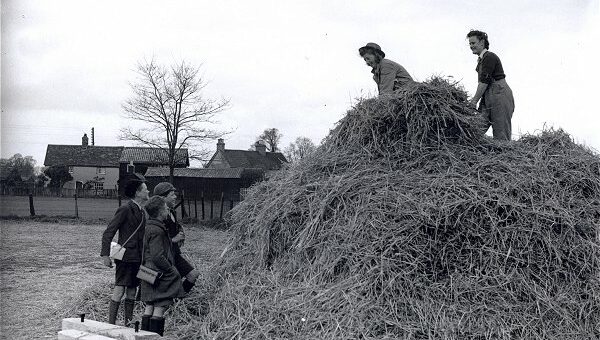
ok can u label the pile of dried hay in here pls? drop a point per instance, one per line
(408, 224)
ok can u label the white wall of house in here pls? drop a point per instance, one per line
(87, 173)
(218, 162)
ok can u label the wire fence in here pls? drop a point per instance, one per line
(94, 208)
(59, 192)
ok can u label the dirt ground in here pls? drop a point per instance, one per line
(44, 266)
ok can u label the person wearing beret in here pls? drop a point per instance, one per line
(496, 102)
(389, 75)
(129, 221)
(175, 231)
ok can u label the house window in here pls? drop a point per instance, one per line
(101, 171)
(98, 186)
(70, 169)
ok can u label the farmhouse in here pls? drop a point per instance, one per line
(98, 165)
(101, 167)
(259, 159)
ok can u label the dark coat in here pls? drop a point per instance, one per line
(126, 220)
(173, 228)
(158, 255)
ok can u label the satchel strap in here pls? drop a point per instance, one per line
(144, 244)
(136, 229)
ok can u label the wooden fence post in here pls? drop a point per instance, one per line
(196, 207)
(31, 208)
(182, 204)
(202, 202)
(222, 200)
(76, 206)
(211, 208)
(189, 207)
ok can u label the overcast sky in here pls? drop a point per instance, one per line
(292, 65)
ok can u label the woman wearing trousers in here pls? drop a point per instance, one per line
(497, 103)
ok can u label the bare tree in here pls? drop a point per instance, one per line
(175, 115)
(299, 149)
(271, 137)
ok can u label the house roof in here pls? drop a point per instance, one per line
(253, 159)
(196, 172)
(78, 155)
(153, 156)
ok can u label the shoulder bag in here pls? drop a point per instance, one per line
(147, 274)
(117, 251)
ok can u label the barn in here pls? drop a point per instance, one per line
(207, 192)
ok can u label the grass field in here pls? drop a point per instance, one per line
(91, 208)
(44, 267)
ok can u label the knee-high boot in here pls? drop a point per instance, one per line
(113, 309)
(157, 325)
(128, 311)
(146, 322)
(188, 285)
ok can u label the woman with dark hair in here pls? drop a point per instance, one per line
(158, 255)
(497, 103)
(129, 221)
(388, 74)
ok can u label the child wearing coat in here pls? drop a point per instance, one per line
(158, 255)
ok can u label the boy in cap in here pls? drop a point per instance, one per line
(129, 221)
(175, 231)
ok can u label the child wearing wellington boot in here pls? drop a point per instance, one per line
(158, 255)
(129, 221)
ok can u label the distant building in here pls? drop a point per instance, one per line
(87, 163)
(245, 159)
(210, 184)
(103, 166)
(228, 173)
(142, 158)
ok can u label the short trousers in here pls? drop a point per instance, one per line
(126, 272)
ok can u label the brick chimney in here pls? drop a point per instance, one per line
(220, 145)
(84, 140)
(261, 147)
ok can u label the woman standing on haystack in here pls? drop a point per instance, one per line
(497, 103)
(158, 255)
(389, 75)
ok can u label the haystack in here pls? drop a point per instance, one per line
(408, 223)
